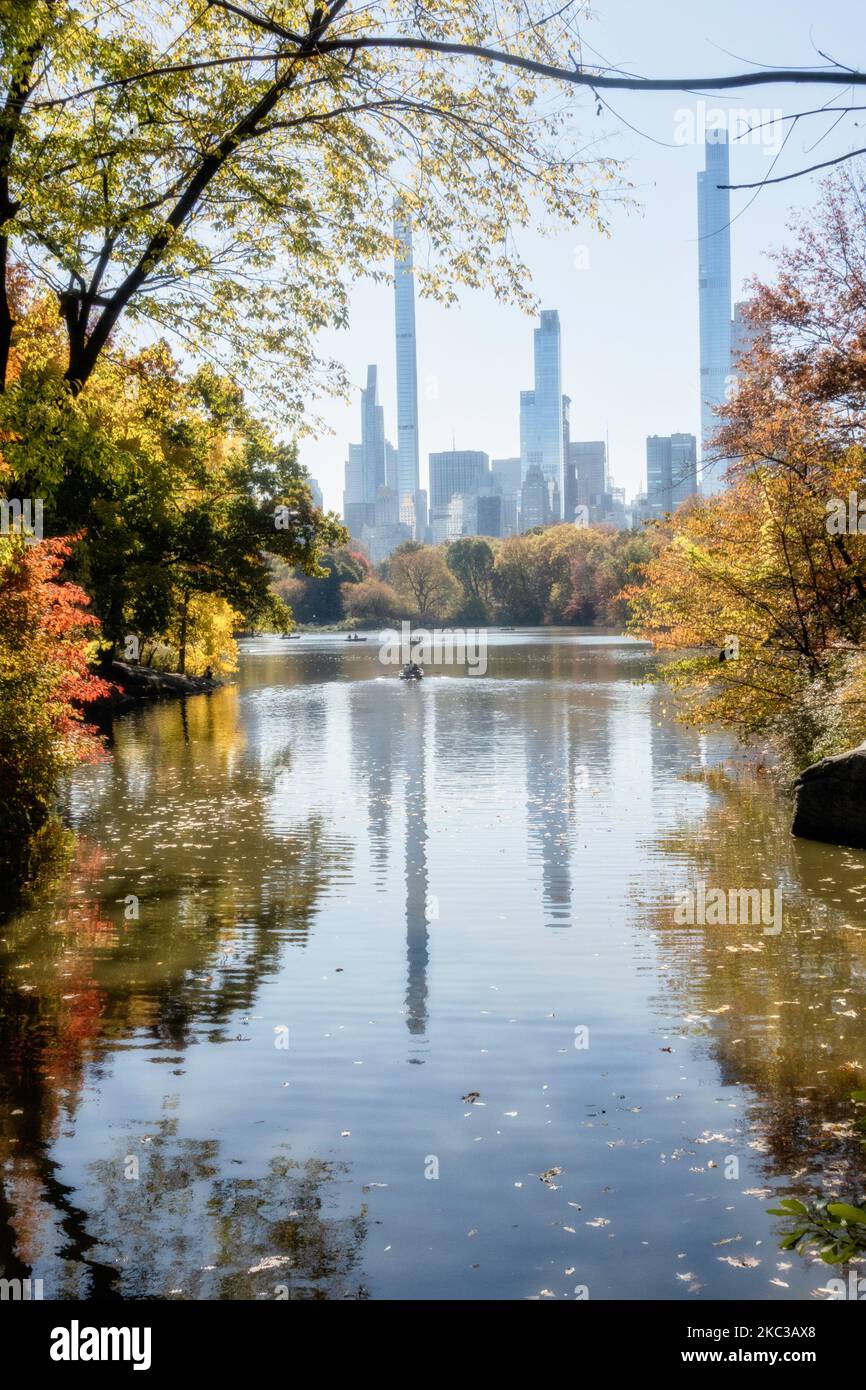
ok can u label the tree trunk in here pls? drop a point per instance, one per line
(184, 619)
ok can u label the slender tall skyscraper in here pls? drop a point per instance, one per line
(365, 468)
(714, 295)
(541, 410)
(372, 438)
(408, 469)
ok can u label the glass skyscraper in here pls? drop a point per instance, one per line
(714, 296)
(408, 472)
(541, 410)
(372, 438)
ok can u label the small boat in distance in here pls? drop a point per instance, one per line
(291, 636)
(354, 638)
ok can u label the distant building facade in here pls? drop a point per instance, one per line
(367, 464)
(535, 509)
(588, 466)
(454, 473)
(506, 476)
(671, 472)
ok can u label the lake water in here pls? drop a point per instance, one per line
(361, 901)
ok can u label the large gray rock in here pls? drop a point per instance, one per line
(830, 800)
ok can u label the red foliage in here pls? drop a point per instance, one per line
(46, 628)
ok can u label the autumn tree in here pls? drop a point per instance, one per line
(177, 488)
(371, 601)
(224, 171)
(46, 640)
(772, 572)
(422, 580)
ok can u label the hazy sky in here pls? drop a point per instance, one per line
(630, 317)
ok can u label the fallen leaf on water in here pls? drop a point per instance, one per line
(270, 1262)
(548, 1174)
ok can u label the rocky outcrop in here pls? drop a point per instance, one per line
(830, 800)
(135, 685)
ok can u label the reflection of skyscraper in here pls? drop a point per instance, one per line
(550, 806)
(541, 410)
(374, 759)
(714, 296)
(408, 475)
(415, 803)
(388, 739)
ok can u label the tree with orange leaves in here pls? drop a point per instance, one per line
(766, 582)
(46, 640)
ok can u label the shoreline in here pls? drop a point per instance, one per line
(141, 685)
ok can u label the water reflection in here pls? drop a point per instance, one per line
(455, 874)
(781, 1015)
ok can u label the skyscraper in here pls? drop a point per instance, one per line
(535, 499)
(454, 472)
(372, 438)
(587, 460)
(671, 471)
(541, 410)
(714, 296)
(505, 479)
(408, 475)
(366, 465)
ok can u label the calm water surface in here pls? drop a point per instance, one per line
(361, 901)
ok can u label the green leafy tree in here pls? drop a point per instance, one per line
(177, 488)
(470, 559)
(321, 599)
(225, 170)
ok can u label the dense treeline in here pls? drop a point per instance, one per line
(553, 575)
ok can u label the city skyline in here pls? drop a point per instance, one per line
(546, 450)
(627, 302)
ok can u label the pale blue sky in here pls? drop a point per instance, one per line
(630, 319)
